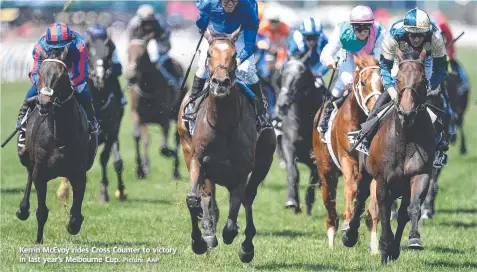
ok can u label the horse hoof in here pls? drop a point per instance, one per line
(331, 238)
(345, 227)
(426, 214)
(283, 165)
(246, 256)
(228, 236)
(121, 195)
(291, 203)
(39, 242)
(177, 175)
(199, 246)
(74, 225)
(463, 151)
(104, 198)
(211, 241)
(415, 243)
(308, 209)
(166, 152)
(350, 238)
(140, 173)
(23, 214)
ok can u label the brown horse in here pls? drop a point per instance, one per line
(224, 150)
(400, 160)
(153, 101)
(366, 88)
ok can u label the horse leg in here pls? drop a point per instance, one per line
(351, 176)
(137, 138)
(177, 174)
(293, 177)
(78, 183)
(373, 210)
(428, 207)
(230, 230)
(463, 146)
(394, 210)
(328, 194)
(104, 158)
(419, 188)
(165, 151)
(118, 167)
(210, 213)
(145, 142)
(42, 210)
(279, 151)
(246, 251)
(199, 246)
(23, 212)
(386, 241)
(310, 192)
(403, 218)
(63, 191)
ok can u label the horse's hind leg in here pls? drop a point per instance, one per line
(351, 177)
(177, 174)
(373, 214)
(246, 250)
(104, 175)
(23, 212)
(78, 183)
(42, 210)
(230, 230)
(293, 177)
(310, 192)
(199, 246)
(165, 150)
(419, 188)
(118, 167)
(210, 214)
(403, 218)
(463, 146)
(328, 194)
(137, 139)
(386, 241)
(145, 142)
(428, 207)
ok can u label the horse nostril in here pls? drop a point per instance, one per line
(226, 82)
(215, 81)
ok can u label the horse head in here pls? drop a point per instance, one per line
(293, 79)
(99, 62)
(138, 59)
(367, 84)
(54, 82)
(411, 82)
(221, 57)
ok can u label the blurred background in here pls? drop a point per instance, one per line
(24, 22)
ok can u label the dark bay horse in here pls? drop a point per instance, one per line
(298, 101)
(400, 160)
(57, 143)
(109, 113)
(224, 150)
(367, 87)
(153, 101)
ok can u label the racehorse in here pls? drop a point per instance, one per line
(224, 150)
(367, 87)
(109, 113)
(400, 160)
(57, 144)
(153, 101)
(298, 101)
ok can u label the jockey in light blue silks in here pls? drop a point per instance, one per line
(361, 35)
(309, 36)
(416, 32)
(224, 17)
(57, 37)
(99, 32)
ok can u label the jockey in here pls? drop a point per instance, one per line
(226, 16)
(452, 62)
(417, 32)
(145, 23)
(361, 35)
(309, 36)
(115, 68)
(57, 37)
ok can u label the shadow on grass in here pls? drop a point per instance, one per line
(459, 225)
(301, 266)
(286, 233)
(12, 190)
(459, 210)
(447, 250)
(446, 264)
(149, 201)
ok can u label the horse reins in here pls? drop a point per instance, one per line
(421, 106)
(363, 101)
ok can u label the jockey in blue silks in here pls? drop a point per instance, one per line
(309, 37)
(95, 32)
(57, 37)
(224, 17)
(414, 32)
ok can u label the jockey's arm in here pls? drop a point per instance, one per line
(79, 69)
(320, 69)
(37, 60)
(133, 24)
(386, 61)
(378, 44)
(249, 26)
(293, 51)
(438, 53)
(164, 42)
(203, 18)
(329, 51)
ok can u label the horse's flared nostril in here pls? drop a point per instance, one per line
(226, 82)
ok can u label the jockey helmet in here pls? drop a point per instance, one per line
(310, 27)
(145, 11)
(417, 21)
(272, 14)
(361, 15)
(97, 32)
(58, 35)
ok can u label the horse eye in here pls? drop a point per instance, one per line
(363, 84)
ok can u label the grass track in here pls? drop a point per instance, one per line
(155, 215)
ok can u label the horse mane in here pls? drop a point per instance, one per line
(410, 54)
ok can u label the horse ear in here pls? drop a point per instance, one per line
(235, 35)
(399, 55)
(63, 54)
(358, 62)
(422, 55)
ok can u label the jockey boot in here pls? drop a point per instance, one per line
(21, 137)
(85, 101)
(323, 126)
(442, 144)
(190, 109)
(263, 119)
(118, 93)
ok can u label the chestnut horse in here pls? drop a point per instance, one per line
(400, 160)
(367, 86)
(224, 150)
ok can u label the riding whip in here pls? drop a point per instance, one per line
(17, 129)
(454, 40)
(190, 65)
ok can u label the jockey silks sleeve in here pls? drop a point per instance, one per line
(438, 53)
(245, 16)
(297, 48)
(388, 51)
(333, 46)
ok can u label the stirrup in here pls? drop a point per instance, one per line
(440, 159)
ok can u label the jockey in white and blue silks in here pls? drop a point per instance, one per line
(224, 17)
(309, 36)
(361, 35)
(414, 32)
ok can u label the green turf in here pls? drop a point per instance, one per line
(155, 215)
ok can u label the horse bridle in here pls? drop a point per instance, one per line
(49, 91)
(363, 101)
(421, 106)
(232, 76)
